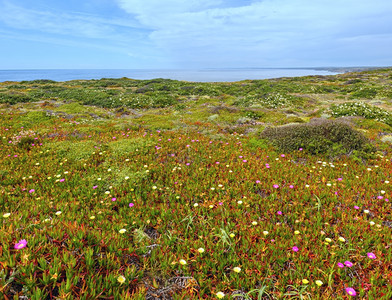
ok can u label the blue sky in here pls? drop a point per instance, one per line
(156, 34)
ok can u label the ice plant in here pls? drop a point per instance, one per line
(131, 204)
(183, 262)
(6, 215)
(220, 295)
(348, 263)
(200, 250)
(305, 281)
(371, 255)
(351, 291)
(340, 265)
(295, 249)
(121, 279)
(122, 231)
(21, 244)
(319, 282)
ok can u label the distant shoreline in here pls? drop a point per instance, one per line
(195, 75)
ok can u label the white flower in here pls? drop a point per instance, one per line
(342, 239)
(265, 232)
(200, 250)
(183, 262)
(122, 231)
(371, 223)
(237, 269)
(366, 211)
(6, 215)
(232, 235)
(121, 279)
(196, 205)
(254, 223)
(220, 295)
(58, 213)
(239, 202)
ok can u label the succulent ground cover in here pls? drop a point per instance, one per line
(126, 189)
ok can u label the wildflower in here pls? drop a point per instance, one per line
(121, 279)
(107, 192)
(295, 249)
(276, 186)
(21, 244)
(340, 265)
(237, 269)
(265, 232)
(95, 186)
(196, 205)
(122, 231)
(356, 207)
(296, 232)
(371, 255)
(92, 217)
(131, 204)
(31, 191)
(348, 263)
(366, 211)
(114, 199)
(254, 223)
(319, 282)
(342, 239)
(279, 212)
(305, 281)
(6, 215)
(200, 250)
(58, 213)
(328, 240)
(183, 262)
(232, 235)
(62, 180)
(220, 295)
(351, 291)
(371, 223)
(239, 202)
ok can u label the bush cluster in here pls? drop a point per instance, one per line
(362, 110)
(330, 137)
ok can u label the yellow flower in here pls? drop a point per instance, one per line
(254, 223)
(342, 239)
(319, 282)
(232, 235)
(237, 269)
(58, 213)
(200, 250)
(121, 279)
(220, 295)
(183, 262)
(296, 232)
(122, 231)
(265, 232)
(328, 240)
(92, 217)
(6, 215)
(305, 281)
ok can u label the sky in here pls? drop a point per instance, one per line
(194, 34)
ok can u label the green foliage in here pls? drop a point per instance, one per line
(14, 98)
(362, 110)
(367, 92)
(318, 137)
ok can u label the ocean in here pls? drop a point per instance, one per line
(203, 75)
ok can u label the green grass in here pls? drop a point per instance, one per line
(167, 201)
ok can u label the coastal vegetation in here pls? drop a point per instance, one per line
(164, 189)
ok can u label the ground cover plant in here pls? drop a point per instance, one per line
(183, 196)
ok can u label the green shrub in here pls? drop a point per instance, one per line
(368, 93)
(320, 136)
(362, 110)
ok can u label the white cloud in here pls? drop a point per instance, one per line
(260, 32)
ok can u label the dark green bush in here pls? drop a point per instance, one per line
(333, 138)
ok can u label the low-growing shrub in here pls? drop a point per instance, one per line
(362, 110)
(330, 137)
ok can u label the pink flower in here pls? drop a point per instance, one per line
(295, 249)
(32, 191)
(244, 161)
(291, 186)
(279, 212)
(351, 291)
(282, 155)
(21, 244)
(340, 265)
(371, 255)
(114, 199)
(131, 204)
(95, 186)
(348, 263)
(276, 186)
(62, 180)
(380, 197)
(356, 207)
(258, 181)
(220, 203)
(340, 179)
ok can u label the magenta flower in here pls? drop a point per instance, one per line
(276, 186)
(300, 149)
(295, 249)
(282, 155)
(351, 291)
(340, 179)
(340, 265)
(279, 212)
(220, 203)
(371, 255)
(348, 263)
(114, 199)
(21, 244)
(131, 204)
(356, 207)
(95, 186)
(62, 180)
(32, 191)
(258, 181)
